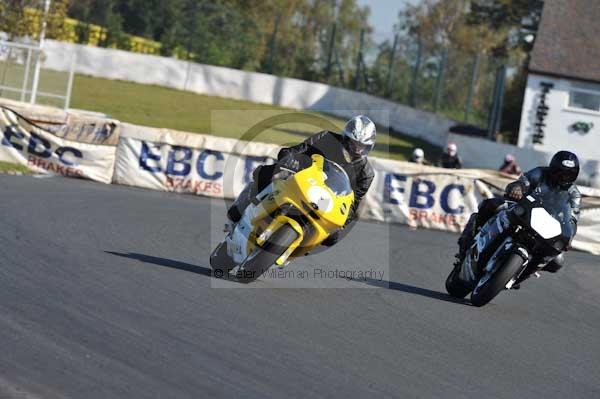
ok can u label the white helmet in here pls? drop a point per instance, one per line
(418, 153)
(359, 136)
(452, 148)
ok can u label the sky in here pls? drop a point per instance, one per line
(384, 13)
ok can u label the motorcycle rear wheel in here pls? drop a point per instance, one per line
(488, 291)
(454, 286)
(220, 262)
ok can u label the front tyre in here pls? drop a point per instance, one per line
(484, 293)
(262, 258)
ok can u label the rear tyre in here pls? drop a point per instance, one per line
(220, 262)
(454, 286)
(262, 258)
(488, 291)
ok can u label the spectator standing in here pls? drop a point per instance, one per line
(418, 157)
(510, 166)
(450, 158)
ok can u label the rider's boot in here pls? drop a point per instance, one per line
(466, 239)
(555, 264)
(236, 210)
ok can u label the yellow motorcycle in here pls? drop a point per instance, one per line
(288, 219)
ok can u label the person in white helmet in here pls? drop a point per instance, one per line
(418, 156)
(349, 150)
(450, 158)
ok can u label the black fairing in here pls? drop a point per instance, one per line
(557, 203)
(512, 223)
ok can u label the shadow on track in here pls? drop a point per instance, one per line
(173, 264)
(205, 271)
(411, 289)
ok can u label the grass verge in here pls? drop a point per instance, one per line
(6, 167)
(156, 106)
(161, 107)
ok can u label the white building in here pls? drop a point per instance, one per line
(561, 109)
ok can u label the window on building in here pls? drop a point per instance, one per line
(584, 100)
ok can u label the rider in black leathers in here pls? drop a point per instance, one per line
(349, 150)
(561, 173)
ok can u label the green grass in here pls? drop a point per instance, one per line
(161, 107)
(6, 167)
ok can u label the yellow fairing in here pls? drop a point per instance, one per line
(314, 203)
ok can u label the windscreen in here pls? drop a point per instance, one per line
(336, 178)
(557, 203)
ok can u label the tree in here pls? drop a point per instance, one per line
(56, 19)
(237, 33)
(518, 22)
(514, 19)
(13, 18)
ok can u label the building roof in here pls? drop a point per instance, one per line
(568, 40)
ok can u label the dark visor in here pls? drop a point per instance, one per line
(358, 148)
(566, 176)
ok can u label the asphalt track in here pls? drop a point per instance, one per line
(105, 292)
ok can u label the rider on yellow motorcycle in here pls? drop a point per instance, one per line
(349, 150)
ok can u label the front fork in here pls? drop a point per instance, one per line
(497, 260)
(524, 273)
(279, 221)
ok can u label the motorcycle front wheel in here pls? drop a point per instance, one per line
(262, 258)
(482, 294)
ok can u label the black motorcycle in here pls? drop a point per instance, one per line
(517, 242)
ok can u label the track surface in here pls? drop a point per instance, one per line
(105, 293)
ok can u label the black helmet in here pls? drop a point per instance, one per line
(564, 168)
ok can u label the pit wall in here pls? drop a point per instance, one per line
(54, 142)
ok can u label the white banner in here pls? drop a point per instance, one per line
(436, 201)
(184, 169)
(42, 152)
(425, 196)
(402, 192)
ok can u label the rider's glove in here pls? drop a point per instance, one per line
(514, 191)
(289, 162)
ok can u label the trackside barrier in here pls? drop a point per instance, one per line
(81, 149)
(167, 160)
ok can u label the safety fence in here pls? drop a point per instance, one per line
(50, 141)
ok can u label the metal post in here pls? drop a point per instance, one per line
(498, 98)
(5, 71)
(390, 73)
(273, 44)
(501, 84)
(440, 80)
(416, 71)
(365, 72)
(331, 40)
(492, 113)
(36, 72)
(330, 52)
(70, 82)
(26, 77)
(359, 60)
(342, 81)
(474, 77)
